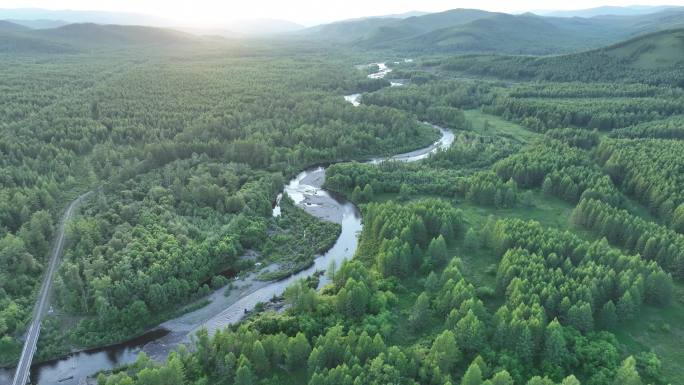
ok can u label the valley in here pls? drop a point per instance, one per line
(477, 205)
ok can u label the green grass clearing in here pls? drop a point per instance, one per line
(661, 331)
(491, 125)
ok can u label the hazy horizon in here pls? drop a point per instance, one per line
(211, 13)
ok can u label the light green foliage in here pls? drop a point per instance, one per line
(472, 376)
(627, 373)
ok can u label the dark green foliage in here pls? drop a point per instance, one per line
(540, 114)
(473, 151)
(296, 238)
(574, 137)
(649, 170)
(191, 151)
(650, 240)
(485, 188)
(394, 230)
(670, 128)
(607, 316)
(632, 61)
(559, 170)
(190, 164)
(436, 102)
(444, 352)
(591, 273)
(420, 313)
(555, 275)
(298, 350)
(471, 240)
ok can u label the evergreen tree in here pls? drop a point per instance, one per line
(437, 250)
(368, 193)
(536, 380)
(298, 350)
(580, 316)
(444, 352)
(502, 378)
(420, 312)
(357, 195)
(626, 308)
(555, 348)
(259, 358)
(471, 241)
(659, 287)
(470, 333)
(472, 376)
(627, 373)
(244, 375)
(608, 316)
(570, 380)
(525, 344)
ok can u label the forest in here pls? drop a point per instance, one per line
(544, 246)
(167, 143)
(463, 273)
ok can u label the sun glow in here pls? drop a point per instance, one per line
(218, 12)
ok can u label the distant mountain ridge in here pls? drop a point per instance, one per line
(477, 31)
(662, 49)
(455, 31)
(8, 26)
(79, 16)
(78, 37)
(609, 11)
(40, 23)
(656, 58)
(44, 18)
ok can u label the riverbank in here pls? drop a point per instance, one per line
(306, 191)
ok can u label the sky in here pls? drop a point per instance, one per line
(307, 12)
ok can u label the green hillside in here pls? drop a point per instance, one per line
(13, 43)
(347, 31)
(656, 58)
(379, 32)
(74, 38)
(385, 36)
(659, 50)
(9, 27)
(504, 33)
(476, 31)
(95, 34)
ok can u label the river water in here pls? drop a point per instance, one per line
(306, 191)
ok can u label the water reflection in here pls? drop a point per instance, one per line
(306, 191)
(76, 367)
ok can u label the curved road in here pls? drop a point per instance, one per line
(21, 375)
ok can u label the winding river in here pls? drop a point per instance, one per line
(306, 191)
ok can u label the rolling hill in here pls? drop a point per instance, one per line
(347, 31)
(476, 31)
(16, 38)
(502, 33)
(387, 35)
(89, 34)
(664, 49)
(379, 30)
(609, 10)
(73, 38)
(655, 58)
(39, 23)
(9, 27)
(19, 44)
(79, 16)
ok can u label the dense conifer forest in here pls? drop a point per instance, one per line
(544, 246)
